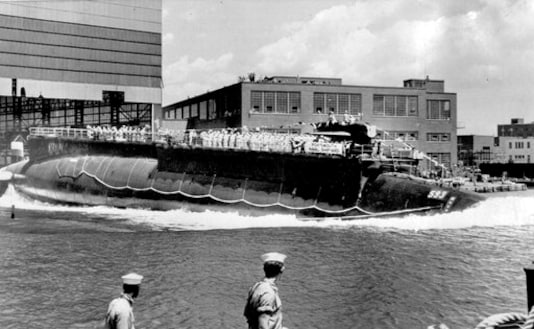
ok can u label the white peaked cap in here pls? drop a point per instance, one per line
(132, 279)
(273, 257)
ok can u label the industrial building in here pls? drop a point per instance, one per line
(514, 144)
(516, 128)
(78, 63)
(420, 112)
(476, 149)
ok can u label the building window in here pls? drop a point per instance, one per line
(203, 110)
(412, 106)
(438, 137)
(281, 102)
(186, 112)
(343, 103)
(395, 106)
(519, 145)
(401, 106)
(337, 103)
(441, 158)
(194, 110)
(268, 102)
(318, 103)
(510, 145)
(255, 101)
(355, 104)
(331, 102)
(378, 105)
(438, 110)
(212, 109)
(389, 109)
(275, 102)
(294, 102)
(402, 135)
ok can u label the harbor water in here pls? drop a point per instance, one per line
(60, 266)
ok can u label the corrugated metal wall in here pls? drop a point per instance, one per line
(114, 42)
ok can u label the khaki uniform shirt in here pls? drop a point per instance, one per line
(263, 299)
(120, 313)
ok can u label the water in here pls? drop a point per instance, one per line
(60, 266)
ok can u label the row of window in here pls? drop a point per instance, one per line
(55, 116)
(205, 110)
(341, 103)
(520, 157)
(414, 136)
(400, 135)
(518, 145)
(337, 103)
(438, 137)
(395, 106)
(275, 102)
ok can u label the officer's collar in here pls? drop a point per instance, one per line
(128, 298)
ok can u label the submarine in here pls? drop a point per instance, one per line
(78, 167)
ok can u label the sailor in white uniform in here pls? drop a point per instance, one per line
(120, 310)
(263, 309)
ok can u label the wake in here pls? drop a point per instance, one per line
(516, 209)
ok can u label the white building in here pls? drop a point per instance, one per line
(514, 150)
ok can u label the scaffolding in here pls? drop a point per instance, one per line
(19, 113)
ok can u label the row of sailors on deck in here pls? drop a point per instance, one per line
(124, 133)
(244, 139)
(250, 140)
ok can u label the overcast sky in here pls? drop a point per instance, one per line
(483, 49)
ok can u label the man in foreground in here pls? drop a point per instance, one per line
(264, 307)
(120, 310)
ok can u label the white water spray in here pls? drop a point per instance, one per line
(506, 209)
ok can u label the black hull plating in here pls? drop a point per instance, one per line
(157, 177)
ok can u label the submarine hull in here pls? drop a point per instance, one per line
(162, 178)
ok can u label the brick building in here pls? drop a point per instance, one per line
(420, 112)
(516, 128)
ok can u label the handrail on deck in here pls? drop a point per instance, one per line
(59, 132)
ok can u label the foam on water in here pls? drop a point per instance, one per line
(499, 210)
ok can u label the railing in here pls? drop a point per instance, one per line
(283, 143)
(75, 133)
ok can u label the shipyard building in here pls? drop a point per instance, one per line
(420, 113)
(78, 63)
(514, 144)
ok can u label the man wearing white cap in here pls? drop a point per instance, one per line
(120, 310)
(264, 307)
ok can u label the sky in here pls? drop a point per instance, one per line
(482, 49)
